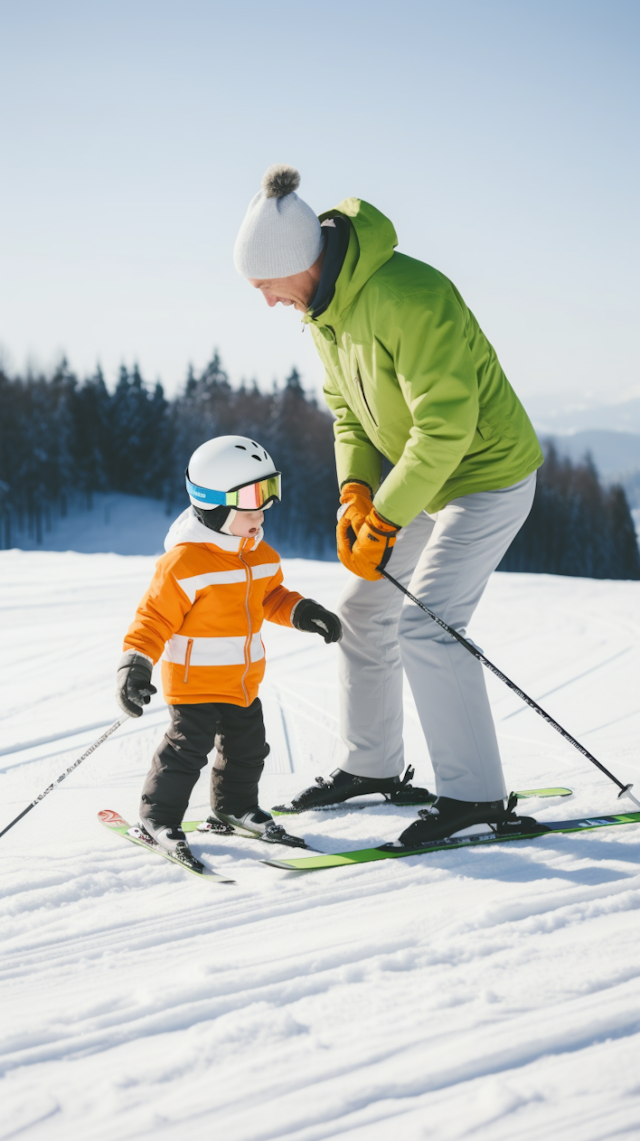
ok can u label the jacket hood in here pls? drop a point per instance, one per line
(187, 528)
(371, 244)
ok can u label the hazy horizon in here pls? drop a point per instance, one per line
(496, 138)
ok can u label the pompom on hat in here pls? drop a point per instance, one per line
(280, 234)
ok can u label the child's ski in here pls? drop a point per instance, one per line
(289, 810)
(131, 832)
(393, 851)
(278, 835)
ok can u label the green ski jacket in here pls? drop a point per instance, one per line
(411, 376)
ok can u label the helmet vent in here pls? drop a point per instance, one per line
(257, 458)
(241, 447)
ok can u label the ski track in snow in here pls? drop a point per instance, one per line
(467, 994)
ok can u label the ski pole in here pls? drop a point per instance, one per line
(625, 789)
(90, 750)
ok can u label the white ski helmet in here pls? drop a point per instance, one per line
(233, 472)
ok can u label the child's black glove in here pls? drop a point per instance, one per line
(312, 617)
(134, 683)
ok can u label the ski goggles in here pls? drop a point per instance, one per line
(249, 497)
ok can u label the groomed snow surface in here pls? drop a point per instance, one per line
(474, 994)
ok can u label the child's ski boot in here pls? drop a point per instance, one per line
(172, 840)
(256, 822)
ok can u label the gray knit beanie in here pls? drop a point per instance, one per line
(280, 234)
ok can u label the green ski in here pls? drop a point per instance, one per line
(288, 810)
(477, 840)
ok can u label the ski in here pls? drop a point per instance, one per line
(393, 851)
(223, 829)
(289, 810)
(115, 823)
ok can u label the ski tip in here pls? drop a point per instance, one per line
(544, 792)
(111, 819)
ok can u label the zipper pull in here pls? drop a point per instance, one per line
(187, 661)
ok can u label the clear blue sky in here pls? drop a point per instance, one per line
(501, 138)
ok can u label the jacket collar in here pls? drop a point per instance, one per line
(372, 239)
(336, 232)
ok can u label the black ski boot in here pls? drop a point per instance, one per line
(446, 816)
(343, 786)
(171, 840)
(256, 822)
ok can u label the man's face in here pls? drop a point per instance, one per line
(284, 290)
(297, 290)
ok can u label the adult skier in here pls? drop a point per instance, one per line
(202, 612)
(410, 376)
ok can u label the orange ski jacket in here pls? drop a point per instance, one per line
(203, 612)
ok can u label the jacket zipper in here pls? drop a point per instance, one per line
(364, 397)
(247, 644)
(187, 660)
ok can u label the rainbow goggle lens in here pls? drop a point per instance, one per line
(249, 497)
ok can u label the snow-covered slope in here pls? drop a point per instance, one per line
(124, 524)
(472, 994)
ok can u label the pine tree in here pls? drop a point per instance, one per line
(203, 410)
(301, 442)
(137, 460)
(624, 557)
(91, 449)
(576, 527)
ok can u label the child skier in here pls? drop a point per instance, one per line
(203, 612)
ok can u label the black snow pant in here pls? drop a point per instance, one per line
(238, 735)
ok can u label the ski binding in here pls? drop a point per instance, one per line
(136, 835)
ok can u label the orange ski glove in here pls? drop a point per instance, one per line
(373, 546)
(356, 504)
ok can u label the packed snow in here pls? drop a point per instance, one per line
(483, 994)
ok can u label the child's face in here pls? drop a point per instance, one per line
(246, 524)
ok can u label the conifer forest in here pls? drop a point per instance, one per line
(62, 439)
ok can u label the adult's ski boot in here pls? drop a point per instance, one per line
(343, 786)
(446, 816)
(256, 822)
(172, 840)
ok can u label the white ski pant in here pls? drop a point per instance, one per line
(445, 560)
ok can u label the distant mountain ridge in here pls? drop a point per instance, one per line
(624, 417)
(610, 433)
(616, 455)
